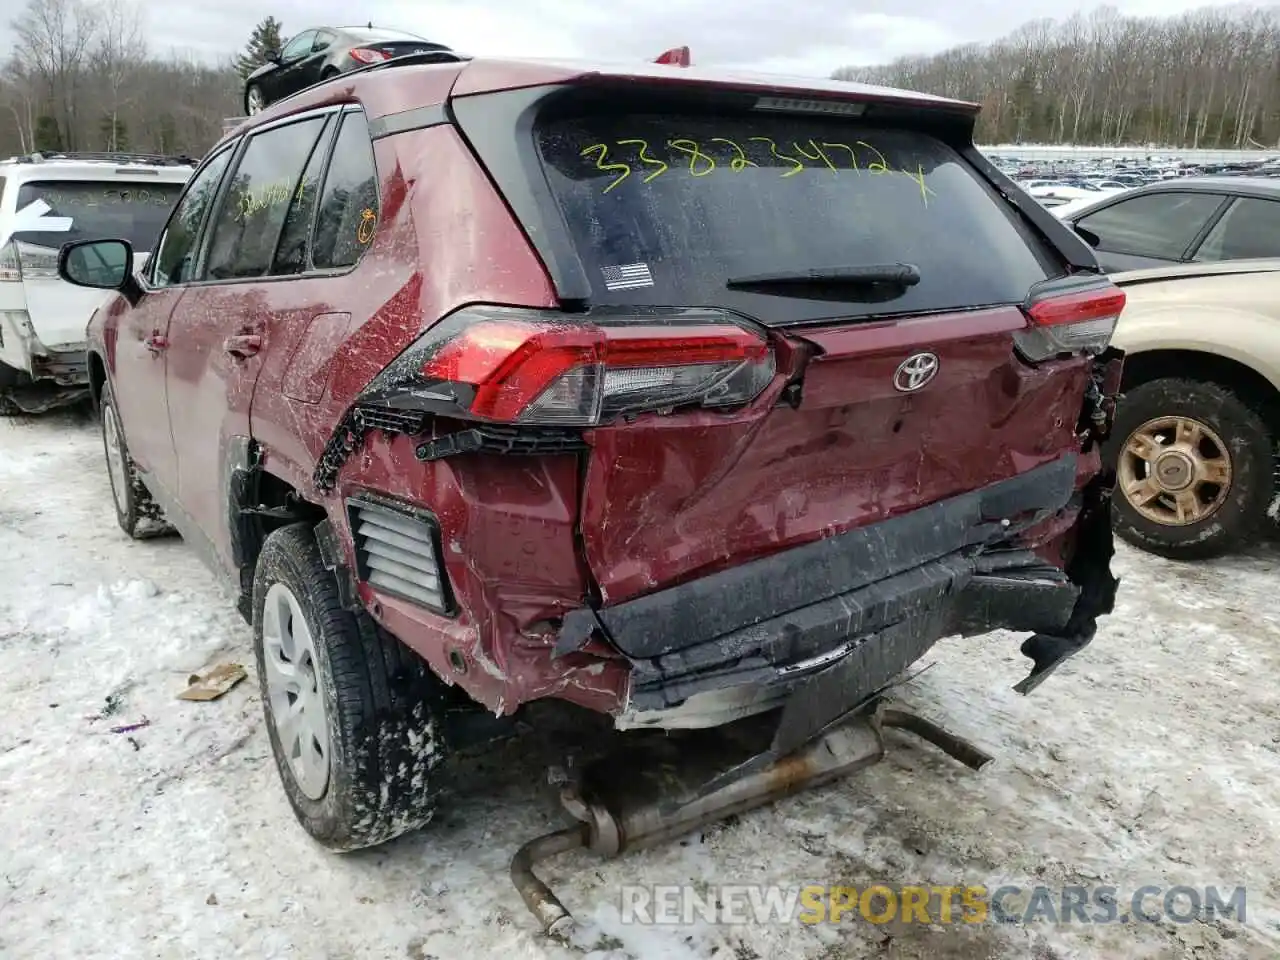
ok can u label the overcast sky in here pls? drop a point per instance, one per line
(809, 38)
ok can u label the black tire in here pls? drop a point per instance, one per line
(382, 707)
(1248, 444)
(136, 511)
(245, 102)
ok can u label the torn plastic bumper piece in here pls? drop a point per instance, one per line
(632, 800)
(1090, 569)
(840, 617)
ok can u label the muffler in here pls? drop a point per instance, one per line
(624, 805)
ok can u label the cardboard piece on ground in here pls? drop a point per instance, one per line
(214, 683)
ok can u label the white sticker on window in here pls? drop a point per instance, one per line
(631, 276)
(31, 218)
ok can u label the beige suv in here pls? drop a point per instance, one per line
(1195, 437)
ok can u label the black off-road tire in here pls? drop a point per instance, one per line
(1241, 517)
(382, 707)
(136, 511)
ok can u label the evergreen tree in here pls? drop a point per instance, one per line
(48, 138)
(265, 37)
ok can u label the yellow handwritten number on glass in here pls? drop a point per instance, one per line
(643, 153)
(740, 162)
(607, 167)
(816, 155)
(876, 166)
(853, 154)
(695, 154)
(797, 165)
(925, 189)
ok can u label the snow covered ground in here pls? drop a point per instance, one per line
(1153, 758)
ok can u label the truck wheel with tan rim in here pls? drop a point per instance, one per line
(1193, 468)
(1194, 440)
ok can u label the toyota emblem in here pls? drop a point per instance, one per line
(915, 371)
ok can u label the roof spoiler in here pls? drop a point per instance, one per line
(676, 57)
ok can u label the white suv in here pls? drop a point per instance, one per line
(45, 201)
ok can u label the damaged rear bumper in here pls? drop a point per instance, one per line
(837, 620)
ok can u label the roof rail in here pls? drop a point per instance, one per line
(114, 157)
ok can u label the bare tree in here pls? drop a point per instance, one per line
(1209, 78)
(120, 49)
(54, 40)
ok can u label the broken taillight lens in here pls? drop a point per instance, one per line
(37, 262)
(1072, 320)
(535, 367)
(10, 265)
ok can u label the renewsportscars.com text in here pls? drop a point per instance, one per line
(928, 904)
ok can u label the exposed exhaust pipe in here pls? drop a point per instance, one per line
(621, 814)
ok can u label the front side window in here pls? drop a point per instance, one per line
(1250, 228)
(348, 215)
(174, 261)
(249, 222)
(1157, 225)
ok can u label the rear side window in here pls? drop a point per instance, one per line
(295, 236)
(1159, 225)
(664, 209)
(1250, 228)
(256, 203)
(99, 210)
(348, 215)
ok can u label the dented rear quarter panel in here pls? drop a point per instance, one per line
(507, 523)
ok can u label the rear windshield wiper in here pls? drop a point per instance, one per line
(895, 274)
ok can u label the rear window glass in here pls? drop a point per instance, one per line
(379, 36)
(118, 209)
(665, 209)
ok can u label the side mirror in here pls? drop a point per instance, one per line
(273, 56)
(98, 264)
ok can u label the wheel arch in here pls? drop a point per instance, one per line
(259, 500)
(1247, 383)
(97, 376)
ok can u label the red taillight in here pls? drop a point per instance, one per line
(365, 55)
(1074, 321)
(507, 365)
(1077, 307)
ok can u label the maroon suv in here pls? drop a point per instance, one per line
(678, 395)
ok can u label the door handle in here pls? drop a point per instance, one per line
(243, 346)
(156, 342)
